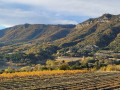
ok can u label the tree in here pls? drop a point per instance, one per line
(27, 68)
(8, 70)
(50, 64)
(38, 67)
(64, 67)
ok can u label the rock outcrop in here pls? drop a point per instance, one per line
(103, 19)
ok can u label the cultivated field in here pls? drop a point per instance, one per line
(66, 81)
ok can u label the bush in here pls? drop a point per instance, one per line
(64, 67)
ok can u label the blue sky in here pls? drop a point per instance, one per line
(14, 12)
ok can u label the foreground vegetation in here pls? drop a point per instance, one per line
(39, 73)
(61, 75)
(27, 72)
(68, 80)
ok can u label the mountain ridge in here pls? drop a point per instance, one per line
(102, 31)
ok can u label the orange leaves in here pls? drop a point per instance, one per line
(39, 73)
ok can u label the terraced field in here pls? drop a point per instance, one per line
(82, 81)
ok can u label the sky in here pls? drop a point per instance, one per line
(14, 12)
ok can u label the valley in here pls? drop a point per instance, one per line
(59, 45)
(82, 56)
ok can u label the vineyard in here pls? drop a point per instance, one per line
(39, 73)
(60, 80)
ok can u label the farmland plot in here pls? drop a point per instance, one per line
(78, 81)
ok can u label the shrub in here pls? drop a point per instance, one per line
(64, 67)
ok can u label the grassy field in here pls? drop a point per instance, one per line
(65, 80)
(69, 59)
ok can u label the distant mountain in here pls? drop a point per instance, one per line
(103, 31)
(28, 32)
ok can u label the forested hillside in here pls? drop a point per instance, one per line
(33, 43)
(102, 31)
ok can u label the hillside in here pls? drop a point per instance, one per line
(102, 31)
(36, 43)
(28, 32)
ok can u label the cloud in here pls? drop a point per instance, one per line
(54, 11)
(65, 22)
(85, 7)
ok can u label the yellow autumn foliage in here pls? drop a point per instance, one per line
(111, 68)
(39, 73)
